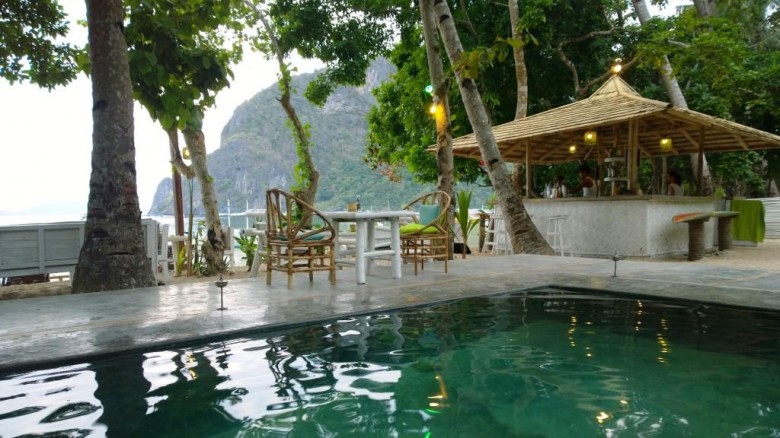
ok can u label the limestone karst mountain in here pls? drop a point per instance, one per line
(258, 151)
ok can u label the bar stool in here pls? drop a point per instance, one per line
(556, 234)
(496, 237)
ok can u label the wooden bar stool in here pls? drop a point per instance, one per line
(556, 235)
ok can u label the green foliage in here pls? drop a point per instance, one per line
(181, 259)
(180, 55)
(247, 245)
(462, 217)
(728, 66)
(199, 264)
(30, 46)
(739, 173)
(400, 129)
(345, 35)
(302, 172)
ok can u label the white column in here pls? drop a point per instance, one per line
(395, 242)
(360, 249)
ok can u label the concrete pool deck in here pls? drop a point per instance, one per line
(36, 331)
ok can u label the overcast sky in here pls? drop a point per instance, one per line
(46, 137)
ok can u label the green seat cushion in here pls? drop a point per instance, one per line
(318, 236)
(429, 213)
(417, 228)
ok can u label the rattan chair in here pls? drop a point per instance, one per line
(427, 237)
(300, 238)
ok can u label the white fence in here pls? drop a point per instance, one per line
(771, 217)
(54, 247)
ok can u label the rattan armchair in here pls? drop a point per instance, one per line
(428, 237)
(294, 244)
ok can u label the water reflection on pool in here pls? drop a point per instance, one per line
(517, 365)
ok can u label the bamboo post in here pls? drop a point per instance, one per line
(700, 176)
(528, 170)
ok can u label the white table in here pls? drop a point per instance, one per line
(365, 251)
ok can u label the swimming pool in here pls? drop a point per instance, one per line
(540, 363)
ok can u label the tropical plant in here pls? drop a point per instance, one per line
(247, 245)
(466, 223)
(181, 259)
(200, 266)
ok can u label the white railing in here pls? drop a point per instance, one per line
(54, 247)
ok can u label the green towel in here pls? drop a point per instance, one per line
(749, 225)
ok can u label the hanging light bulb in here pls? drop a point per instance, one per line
(590, 138)
(573, 149)
(432, 108)
(666, 144)
(617, 66)
(429, 89)
(185, 153)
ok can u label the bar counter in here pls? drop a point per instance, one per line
(631, 226)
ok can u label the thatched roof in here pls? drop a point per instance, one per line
(607, 111)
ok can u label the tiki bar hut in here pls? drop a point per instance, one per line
(614, 127)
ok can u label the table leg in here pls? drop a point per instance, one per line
(360, 249)
(395, 243)
(370, 243)
(336, 239)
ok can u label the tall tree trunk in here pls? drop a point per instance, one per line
(178, 202)
(704, 8)
(521, 71)
(444, 158)
(214, 245)
(307, 177)
(521, 77)
(113, 255)
(677, 99)
(523, 234)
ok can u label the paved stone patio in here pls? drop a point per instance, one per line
(39, 330)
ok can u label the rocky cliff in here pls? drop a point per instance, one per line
(257, 152)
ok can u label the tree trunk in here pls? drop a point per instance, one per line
(523, 234)
(677, 99)
(113, 255)
(307, 177)
(178, 202)
(444, 158)
(521, 71)
(214, 245)
(704, 8)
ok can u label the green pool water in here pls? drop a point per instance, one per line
(539, 364)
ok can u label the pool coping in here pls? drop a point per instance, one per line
(64, 329)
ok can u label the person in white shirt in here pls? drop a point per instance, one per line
(559, 187)
(586, 182)
(674, 188)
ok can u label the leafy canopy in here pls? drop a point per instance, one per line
(31, 48)
(180, 55)
(345, 35)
